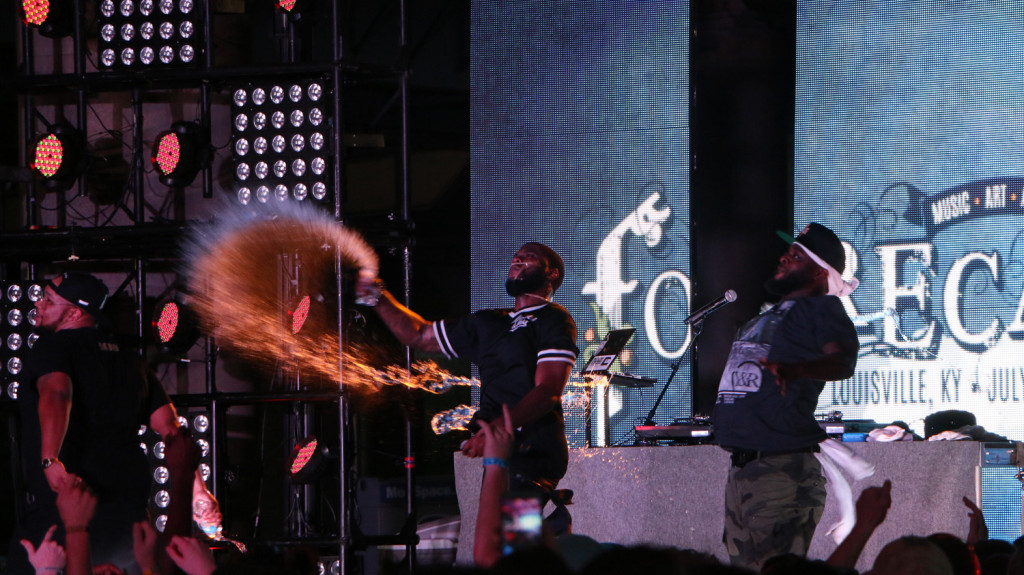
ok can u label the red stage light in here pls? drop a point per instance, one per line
(175, 326)
(295, 9)
(168, 152)
(179, 153)
(302, 456)
(34, 12)
(49, 155)
(53, 18)
(300, 314)
(167, 324)
(307, 461)
(60, 156)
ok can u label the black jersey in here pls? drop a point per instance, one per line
(507, 345)
(751, 412)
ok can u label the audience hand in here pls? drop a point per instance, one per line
(498, 440)
(49, 556)
(502, 432)
(76, 503)
(191, 556)
(978, 531)
(144, 540)
(873, 504)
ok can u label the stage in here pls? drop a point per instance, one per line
(673, 495)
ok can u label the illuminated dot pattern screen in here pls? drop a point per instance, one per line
(907, 143)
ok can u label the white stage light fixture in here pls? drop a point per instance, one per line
(138, 34)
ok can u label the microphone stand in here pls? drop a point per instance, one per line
(696, 327)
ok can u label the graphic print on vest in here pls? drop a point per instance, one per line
(743, 373)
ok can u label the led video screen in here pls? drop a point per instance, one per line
(907, 143)
(579, 129)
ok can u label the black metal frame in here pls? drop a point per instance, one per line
(143, 244)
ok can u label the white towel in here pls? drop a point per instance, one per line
(889, 433)
(833, 456)
(949, 435)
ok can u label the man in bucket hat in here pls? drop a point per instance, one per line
(764, 412)
(81, 406)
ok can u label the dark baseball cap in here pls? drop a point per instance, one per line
(823, 242)
(83, 290)
(826, 249)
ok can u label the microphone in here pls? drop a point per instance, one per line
(698, 316)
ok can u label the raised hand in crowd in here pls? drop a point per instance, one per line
(144, 546)
(498, 441)
(497, 447)
(873, 504)
(191, 556)
(49, 557)
(977, 531)
(76, 505)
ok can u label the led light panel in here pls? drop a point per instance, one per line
(281, 144)
(138, 34)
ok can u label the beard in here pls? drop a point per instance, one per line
(790, 282)
(529, 281)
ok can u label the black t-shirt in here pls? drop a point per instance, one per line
(111, 397)
(751, 412)
(506, 345)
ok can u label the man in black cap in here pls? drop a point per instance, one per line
(764, 414)
(524, 354)
(81, 407)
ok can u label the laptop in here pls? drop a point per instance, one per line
(608, 351)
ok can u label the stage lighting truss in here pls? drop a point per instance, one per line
(281, 143)
(175, 325)
(198, 420)
(17, 321)
(53, 18)
(137, 34)
(179, 153)
(59, 156)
